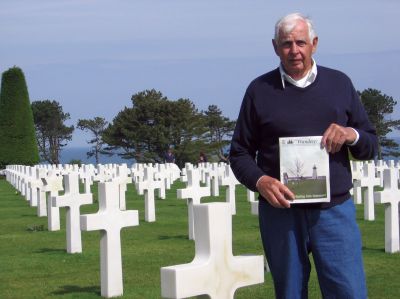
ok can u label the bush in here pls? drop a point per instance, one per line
(17, 131)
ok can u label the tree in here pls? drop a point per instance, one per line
(379, 107)
(220, 130)
(153, 125)
(51, 132)
(17, 133)
(96, 126)
(297, 171)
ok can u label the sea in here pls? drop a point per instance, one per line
(79, 153)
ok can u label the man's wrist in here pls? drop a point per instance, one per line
(355, 140)
(259, 179)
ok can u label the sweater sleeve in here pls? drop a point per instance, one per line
(244, 145)
(366, 147)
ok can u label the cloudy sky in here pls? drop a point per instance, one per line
(92, 55)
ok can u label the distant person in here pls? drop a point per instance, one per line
(301, 98)
(202, 158)
(169, 156)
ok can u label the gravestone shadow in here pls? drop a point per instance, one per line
(364, 248)
(71, 289)
(177, 237)
(47, 250)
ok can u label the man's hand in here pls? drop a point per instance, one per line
(274, 192)
(335, 136)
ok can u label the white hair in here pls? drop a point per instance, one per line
(287, 24)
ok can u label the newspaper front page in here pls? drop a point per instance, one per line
(304, 168)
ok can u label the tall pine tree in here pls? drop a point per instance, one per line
(17, 132)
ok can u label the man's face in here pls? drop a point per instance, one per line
(295, 50)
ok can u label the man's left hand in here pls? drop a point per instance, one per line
(335, 136)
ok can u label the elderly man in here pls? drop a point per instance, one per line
(300, 98)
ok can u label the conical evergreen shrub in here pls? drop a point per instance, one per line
(18, 143)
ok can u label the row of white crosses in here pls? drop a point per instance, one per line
(147, 186)
(366, 174)
(212, 224)
(148, 179)
(390, 197)
(33, 186)
(110, 220)
(368, 180)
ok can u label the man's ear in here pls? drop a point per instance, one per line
(275, 46)
(315, 43)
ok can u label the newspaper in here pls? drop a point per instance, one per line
(304, 168)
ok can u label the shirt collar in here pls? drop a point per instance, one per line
(303, 82)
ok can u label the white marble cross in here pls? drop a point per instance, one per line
(193, 193)
(102, 174)
(356, 172)
(53, 184)
(175, 172)
(230, 181)
(214, 176)
(31, 173)
(40, 193)
(137, 171)
(369, 181)
(33, 185)
(24, 181)
(390, 197)
(183, 177)
(214, 270)
(250, 195)
(254, 207)
(122, 179)
(72, 200)
(86, 175)
(148, 186)
(110, 220)
(163, 175)
(379, 168)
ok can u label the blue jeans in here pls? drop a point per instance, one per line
(333, 238)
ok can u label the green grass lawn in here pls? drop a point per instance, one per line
(34, 263)
(308, 188)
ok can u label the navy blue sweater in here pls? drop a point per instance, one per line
(270, 111)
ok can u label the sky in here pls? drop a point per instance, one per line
(92, 55)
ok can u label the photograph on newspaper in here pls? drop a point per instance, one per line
(304, 168)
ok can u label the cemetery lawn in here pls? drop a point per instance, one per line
(34, 263)
(308, 188)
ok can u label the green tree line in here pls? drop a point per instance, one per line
(144, 131)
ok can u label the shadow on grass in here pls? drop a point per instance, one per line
(70, 289)
(181, 237)
(373, 249)
(47, 250)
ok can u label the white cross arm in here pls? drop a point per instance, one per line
(101, 221)
(69, 200)
(190, 192)
(182, 281)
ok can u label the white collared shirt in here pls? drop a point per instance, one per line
(303, 82)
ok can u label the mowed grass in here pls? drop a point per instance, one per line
(34, 262)
(308, 188)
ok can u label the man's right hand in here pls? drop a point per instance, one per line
(274, 192)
